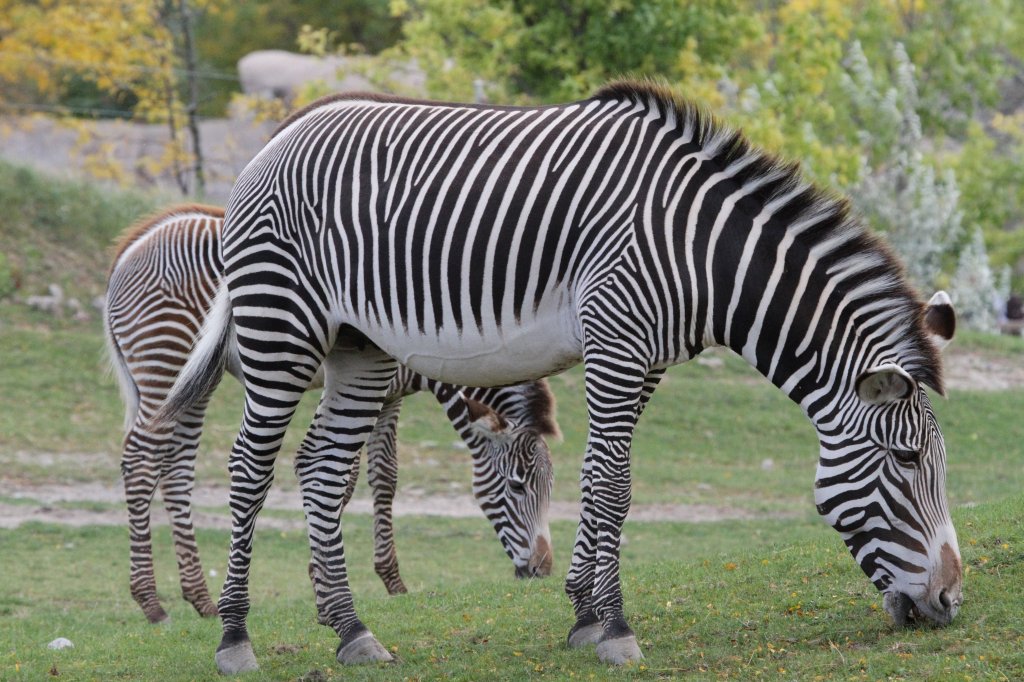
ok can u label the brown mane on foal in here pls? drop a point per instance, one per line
(140, 227)
(541, 406)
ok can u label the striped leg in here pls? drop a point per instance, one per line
(176, 484)
(615, 384)
(141, 464)
(651, 382)
(382, 474)
(264, 422)
(356, 383)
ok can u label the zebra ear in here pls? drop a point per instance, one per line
(885, 384)
(483, 419)
(940, 319)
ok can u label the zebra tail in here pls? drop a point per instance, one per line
(118, 366)
(205, 365)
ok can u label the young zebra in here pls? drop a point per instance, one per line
(629, 231)
(160, 285)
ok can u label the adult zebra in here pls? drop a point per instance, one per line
(164, 273)
(484, 244)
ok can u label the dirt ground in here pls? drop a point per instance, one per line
(48, 504)
(70, 504)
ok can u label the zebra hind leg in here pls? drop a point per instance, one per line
(252, 472)
(356, 382)
(141, 464)
(382, 473)
(176, 486)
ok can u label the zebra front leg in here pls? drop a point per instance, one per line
(579, 584)
(176, 484)
(356, 382)
(382, 474)
(616, 386)
(141, 464)
(264, 422)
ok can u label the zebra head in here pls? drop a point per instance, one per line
(512, 481)
(881, 483)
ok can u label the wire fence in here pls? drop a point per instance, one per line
(83, 66)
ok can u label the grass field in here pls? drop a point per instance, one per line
(767, 600)
(775, 598)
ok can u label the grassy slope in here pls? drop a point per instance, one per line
(59, 232)
(738, 605)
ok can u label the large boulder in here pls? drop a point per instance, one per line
(280, 74)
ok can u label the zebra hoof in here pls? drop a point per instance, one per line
(619, 651)
(583, 636)
(235, 659)
(363, 649)
(157, 615)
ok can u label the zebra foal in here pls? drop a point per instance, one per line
(629, 231)
(163, 277)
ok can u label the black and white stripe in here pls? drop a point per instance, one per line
(486, 245)
(161, 285)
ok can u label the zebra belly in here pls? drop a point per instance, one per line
(537, 347)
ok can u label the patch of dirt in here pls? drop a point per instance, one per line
(977, 371)
(56, 503)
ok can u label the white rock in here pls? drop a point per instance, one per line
(768, 464)
(60, 643)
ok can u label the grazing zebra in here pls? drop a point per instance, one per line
(629, 231)
(165, 272)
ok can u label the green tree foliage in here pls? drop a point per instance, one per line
(796, 75)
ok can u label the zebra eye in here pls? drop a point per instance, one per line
(516, 485)
(906, 456)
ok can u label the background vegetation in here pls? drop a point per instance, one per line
(914, 108)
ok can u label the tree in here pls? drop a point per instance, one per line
(976, 292)
(133, 50)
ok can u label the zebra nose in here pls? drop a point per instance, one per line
(944, 599)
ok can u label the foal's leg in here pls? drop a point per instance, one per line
(141, 465)
(176, 486)
(651, 382)
(615, 383)
(382, 474)
(356, 383)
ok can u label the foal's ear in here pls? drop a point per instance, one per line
(885, 384)
(940, 319)
(483, 419)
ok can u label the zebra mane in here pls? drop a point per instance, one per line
(141, 227)
(540, 404)
(802, 202)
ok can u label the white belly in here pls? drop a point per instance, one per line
(539, 345)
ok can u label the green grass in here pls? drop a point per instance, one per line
(734, 600)
(55, 231)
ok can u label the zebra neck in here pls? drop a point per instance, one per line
(795, 288)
